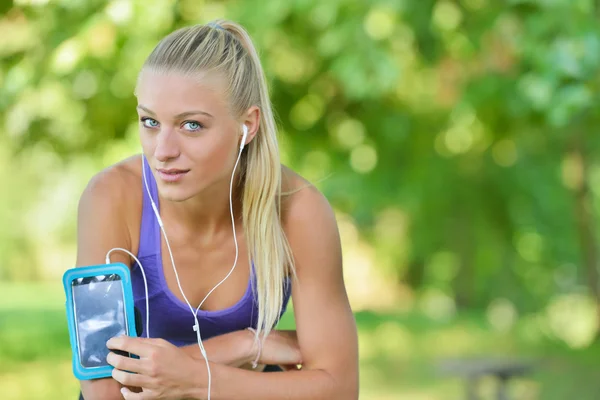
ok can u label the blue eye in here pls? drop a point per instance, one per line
(192, 126)
(149, 122)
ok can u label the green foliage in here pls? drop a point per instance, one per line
(399, 353)
(470, 123)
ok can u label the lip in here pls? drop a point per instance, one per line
(171, 174)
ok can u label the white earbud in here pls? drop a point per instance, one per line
(245, 129)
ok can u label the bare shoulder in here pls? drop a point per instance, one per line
(308, 217)
(301, 199)
(109, 211)
(114, 180)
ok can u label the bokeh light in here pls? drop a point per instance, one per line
(455, 142)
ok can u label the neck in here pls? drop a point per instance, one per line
(208, 214)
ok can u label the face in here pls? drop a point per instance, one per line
(188, 134)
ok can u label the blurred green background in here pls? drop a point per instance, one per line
(457, 140)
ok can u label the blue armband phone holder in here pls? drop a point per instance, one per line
(99, 305)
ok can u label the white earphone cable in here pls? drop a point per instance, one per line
(145, 282)
(234, 234)
(196, 326)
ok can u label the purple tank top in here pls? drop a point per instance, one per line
(171, 318)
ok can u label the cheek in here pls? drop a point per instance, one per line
(216, 158)
(147, 142)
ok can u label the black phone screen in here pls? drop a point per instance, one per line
(99, 307)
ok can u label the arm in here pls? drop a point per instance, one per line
(102, 225)
(325, 324)
(326, 332)
(231, 348)
(237, 349)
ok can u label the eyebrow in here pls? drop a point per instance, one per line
(178, 116)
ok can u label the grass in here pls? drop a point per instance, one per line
(398, 354)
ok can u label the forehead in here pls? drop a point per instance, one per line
(173, 93)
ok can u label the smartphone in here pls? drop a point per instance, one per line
(99, 314)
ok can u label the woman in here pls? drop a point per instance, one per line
(204, 109)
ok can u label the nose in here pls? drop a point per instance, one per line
(167, 146)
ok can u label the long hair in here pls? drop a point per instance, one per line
(225, 48)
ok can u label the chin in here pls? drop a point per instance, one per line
(175, 194)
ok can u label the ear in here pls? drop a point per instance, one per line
(252, 121)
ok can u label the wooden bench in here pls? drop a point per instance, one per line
(473, 369)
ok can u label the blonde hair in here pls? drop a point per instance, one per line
(225, 48)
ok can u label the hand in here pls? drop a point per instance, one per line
(163, 371)
(280, 348)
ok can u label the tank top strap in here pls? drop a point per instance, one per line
(149, 228)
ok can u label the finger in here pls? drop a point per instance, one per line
(129, 379)
(138, 346)
(129, 395)
(126, 363)
(125, 339)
